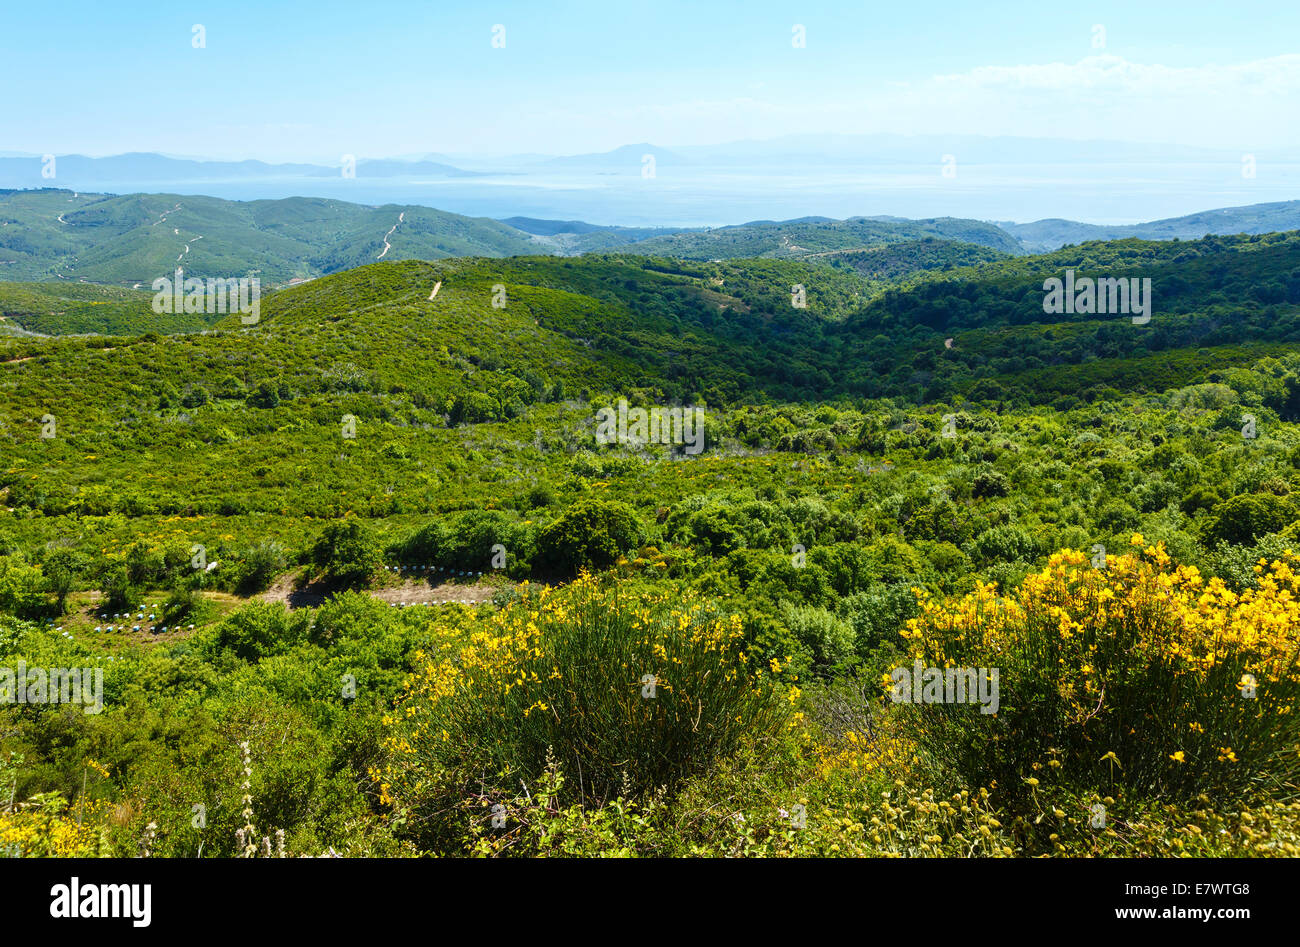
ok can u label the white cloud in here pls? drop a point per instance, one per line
(1214, 105)
(1245, 105)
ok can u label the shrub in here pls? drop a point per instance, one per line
(830, 639)
(591, 533)
(569, 674)
(1243, 518)
(181, 603)
(257, 566)
(877, 616)
(61, 568)
(1237, 566)
(195, 396)
(1005, 543)
(261, 629)
(1134, 676)
(473, 407)
(988, 483)
(266, 395)
(45, 827)
(120, 594)
(466, 543)
(541, 495)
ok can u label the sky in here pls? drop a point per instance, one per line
(288, 81)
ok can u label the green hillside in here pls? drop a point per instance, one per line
(1043, 235)
(378, 538)
(136, 238)
(897, 261)
(796, 239)
(371, 342)
(71, 308)
(133, 239)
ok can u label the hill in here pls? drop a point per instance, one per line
(898, 261)
(52, 234)
(1042, 235)
(303, 535)
(70, 308)
(135, 238)
(577, 236)
(799, 239)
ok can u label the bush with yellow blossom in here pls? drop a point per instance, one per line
(629, 692)
(1125, 673)
(45, 827)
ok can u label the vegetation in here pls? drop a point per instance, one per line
(136, 238)
(375, 539)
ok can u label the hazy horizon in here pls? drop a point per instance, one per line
(975, 115)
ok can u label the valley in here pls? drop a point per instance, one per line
(397, 476)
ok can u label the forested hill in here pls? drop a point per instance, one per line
(729, 331)
(802, 239)
(136, 238)
(1252, 219)
(57, 235)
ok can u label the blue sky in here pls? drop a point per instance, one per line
(310, 81)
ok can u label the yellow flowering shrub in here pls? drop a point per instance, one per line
(1133, 672)
(629, 692)
(44, 827)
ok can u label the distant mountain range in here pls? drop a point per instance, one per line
(697, 186)
(627, 158)
(1044, 235)
(785, 152)
(818, 150)
(53, 234)
(84, 172)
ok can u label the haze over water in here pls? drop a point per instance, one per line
(1121, 193)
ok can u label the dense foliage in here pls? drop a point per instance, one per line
(354, 538)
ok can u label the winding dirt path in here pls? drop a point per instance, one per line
(388, 246)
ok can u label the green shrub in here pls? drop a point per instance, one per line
(1242, 519)
(261, 629)
(467, 543)
(590, 534)
(22, 587)
(830, 639)
(346, 554)
(256, 566)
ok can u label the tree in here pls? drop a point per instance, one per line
(1242, 518)
(61, 568)
(346, 553)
